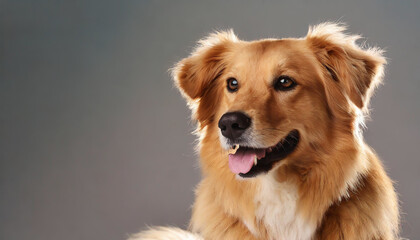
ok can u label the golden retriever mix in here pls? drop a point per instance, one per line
(281, 148)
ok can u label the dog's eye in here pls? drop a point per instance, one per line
(284, 83)
(232, 85)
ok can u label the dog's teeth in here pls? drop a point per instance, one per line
(234, 149)
(255, 161)
(269, 149)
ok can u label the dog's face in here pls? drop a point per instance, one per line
(272, 98)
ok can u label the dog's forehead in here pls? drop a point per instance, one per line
(257, 52)
(265, 58)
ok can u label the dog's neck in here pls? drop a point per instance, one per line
(279, 209)
(278, 202)
(276, 209)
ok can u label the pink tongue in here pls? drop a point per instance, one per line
(243, 160)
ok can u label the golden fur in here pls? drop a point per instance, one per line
(335, 184)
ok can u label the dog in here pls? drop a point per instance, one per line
(280, 139)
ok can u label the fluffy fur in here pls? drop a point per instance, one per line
(332, 186)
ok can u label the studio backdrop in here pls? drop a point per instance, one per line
(96, 143)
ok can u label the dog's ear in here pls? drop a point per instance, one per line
(194, 74)
(357, 71)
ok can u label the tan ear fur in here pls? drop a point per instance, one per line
(358, 71)
(196, 75)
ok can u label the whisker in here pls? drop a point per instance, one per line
(294, 137)
(285, 139)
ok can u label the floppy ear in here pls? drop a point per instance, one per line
(357, 71)
(196, 75)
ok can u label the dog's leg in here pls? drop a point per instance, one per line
(165, 233)
(226, 228)
(212, 222)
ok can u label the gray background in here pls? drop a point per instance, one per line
(95, 142)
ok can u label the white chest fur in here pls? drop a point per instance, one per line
(276, 209)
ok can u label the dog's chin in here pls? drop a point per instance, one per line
(265, 158)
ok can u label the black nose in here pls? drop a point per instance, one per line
(234, 124)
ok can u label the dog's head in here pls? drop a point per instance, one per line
(272, 98)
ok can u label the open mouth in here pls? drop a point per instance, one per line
(249, 162)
